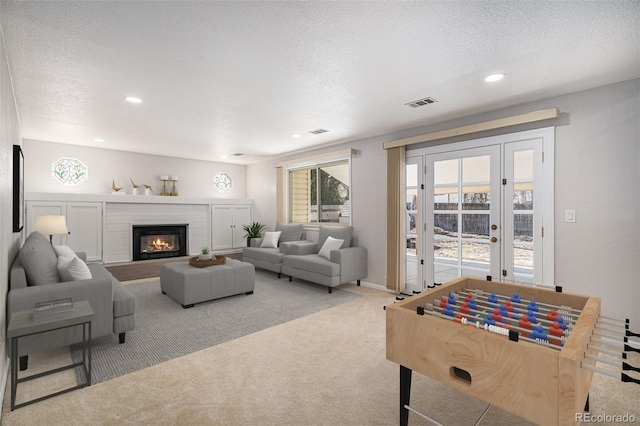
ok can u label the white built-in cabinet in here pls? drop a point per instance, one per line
(84, 223)
(101, 224)
(226, 226)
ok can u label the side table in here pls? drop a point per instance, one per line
(22, 324)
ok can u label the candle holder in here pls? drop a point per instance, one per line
(164, 180)
(174, 188)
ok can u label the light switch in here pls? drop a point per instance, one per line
(570, 216)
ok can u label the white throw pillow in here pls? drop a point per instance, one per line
(330, 244)
(73, 269)
(270, 239)
(64, 251)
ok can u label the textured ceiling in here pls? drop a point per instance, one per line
(220, 77)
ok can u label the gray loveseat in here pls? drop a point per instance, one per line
(271, 258)
(343, 265)
(35, 278)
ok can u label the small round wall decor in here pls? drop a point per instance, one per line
(69, 171)
(222, 181)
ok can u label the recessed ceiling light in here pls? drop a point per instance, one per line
(133, 99)
(494, 77)
(295, 135)
(98, 140)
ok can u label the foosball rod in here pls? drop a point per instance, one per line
(610, 331)
(616, 375)
(620, 333)
(538, 315)
(623, 354)
(565, 310)
(622, 330)
(432, 309)
(624, 366)
(543, 308)
(562, 310)
(614, 322)
(606, 351)
(475, 317)
(618, 338)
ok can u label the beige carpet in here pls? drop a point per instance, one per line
(328, 368)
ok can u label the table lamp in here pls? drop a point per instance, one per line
(51, 225)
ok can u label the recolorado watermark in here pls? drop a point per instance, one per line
(605, 418)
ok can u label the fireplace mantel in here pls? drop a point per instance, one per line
(125, 198)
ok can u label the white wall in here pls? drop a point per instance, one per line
(195, 178)
(597, 154)
(9, 241)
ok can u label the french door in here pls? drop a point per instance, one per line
(462, 205)
(478, 209)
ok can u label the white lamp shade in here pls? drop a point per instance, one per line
(51, 225)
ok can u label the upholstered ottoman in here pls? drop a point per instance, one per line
(189, 285)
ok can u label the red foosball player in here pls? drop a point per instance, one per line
(525, 323)
(508, 306)
(443, 302)
(496, 316)
(555, 330)
(552, 315)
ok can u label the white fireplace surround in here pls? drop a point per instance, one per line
(120, 212)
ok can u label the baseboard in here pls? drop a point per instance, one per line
(374, 286)
(5, 376)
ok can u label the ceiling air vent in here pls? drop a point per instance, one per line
(421, 102)
(237, 154)
(318, 131)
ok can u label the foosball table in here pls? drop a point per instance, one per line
(528, 350)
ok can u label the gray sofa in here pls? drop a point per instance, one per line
(345, 264)
(271, 258)
(34, 278)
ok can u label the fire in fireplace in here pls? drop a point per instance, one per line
(159, 241)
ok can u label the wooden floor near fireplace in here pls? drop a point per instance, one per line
(127, 271)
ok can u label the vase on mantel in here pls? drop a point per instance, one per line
(164, 180)
(174, 188)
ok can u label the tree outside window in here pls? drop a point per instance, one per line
(320, 194)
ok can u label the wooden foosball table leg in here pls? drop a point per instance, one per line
(405, 394)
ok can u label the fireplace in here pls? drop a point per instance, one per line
(159, 241)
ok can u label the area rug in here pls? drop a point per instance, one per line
(165, 331)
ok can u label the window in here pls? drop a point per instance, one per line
(320, 193)
(318, 190)
(69, 171)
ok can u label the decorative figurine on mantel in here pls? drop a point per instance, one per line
(174, 188)
(134, 190)
(147, 189)
(116, 190)
(164, 180)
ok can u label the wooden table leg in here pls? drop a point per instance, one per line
(405, 394)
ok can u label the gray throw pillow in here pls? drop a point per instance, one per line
(343, 233)
(290, 232)
(39, 260)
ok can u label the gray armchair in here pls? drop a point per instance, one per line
(345, 264)
(271, 258)
(34, 278)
